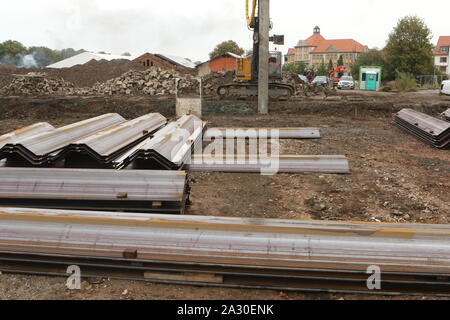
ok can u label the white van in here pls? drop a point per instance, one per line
(445, 87)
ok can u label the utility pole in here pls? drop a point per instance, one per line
(263, 77)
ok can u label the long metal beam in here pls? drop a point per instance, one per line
(245, 252)
(253, 133)
(275, 164)
(143, 191)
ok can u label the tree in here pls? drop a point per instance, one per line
(12, 48)
(322, 70)
(409, 48)
(296, 67)
(330, 65)
(226, 46)
(340, 61)
(371, 58)
(126, 54)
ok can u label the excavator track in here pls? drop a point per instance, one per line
(249, 90)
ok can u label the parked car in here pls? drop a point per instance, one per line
(303, 78)
(346, 82)
(321, 81)
(445, 87)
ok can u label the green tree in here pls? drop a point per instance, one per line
(371, 58)
(409, 48)
(330, 65)
(12, 48)
(340, 61)
(296, 67)
(322, 70)
(226, 46)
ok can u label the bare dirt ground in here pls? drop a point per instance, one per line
(394, 178)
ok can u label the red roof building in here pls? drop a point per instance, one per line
(317, 50)
(442, 54)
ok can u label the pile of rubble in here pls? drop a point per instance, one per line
(153, 81)
(37, 84)
(214, 80)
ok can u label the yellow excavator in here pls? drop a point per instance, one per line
(246, 81)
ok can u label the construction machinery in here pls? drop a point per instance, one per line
(337, 73)
(247, 73)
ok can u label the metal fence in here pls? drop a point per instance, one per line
(431, 80)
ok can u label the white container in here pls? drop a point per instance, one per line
(445, 87)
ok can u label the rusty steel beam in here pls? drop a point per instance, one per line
(143, 191)
(264, 133)
(270, 165)
(247, 252)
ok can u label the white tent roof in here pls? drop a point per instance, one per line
(178, 60)
(85, 57)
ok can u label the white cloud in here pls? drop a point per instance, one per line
(193, 28)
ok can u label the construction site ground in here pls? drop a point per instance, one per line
(395, 178)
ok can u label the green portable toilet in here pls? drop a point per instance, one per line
(371, 81)
(370, 78)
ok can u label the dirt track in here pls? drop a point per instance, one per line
(395, 178)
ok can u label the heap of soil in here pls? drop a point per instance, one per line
(81, 75)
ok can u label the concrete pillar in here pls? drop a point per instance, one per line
(263, 78)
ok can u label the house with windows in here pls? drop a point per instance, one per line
(317, 50)
(442, 54)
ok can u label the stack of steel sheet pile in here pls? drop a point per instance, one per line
(431, 130)
(102, 147)
(106, 190)
(99, 140)
(231, 252)
(169, 149)
(40, 149)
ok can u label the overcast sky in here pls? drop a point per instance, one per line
(192, 28)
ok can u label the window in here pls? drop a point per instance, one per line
(444, 49)
(443, 59)
(364, 75)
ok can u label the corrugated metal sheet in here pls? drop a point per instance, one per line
(169, 149)
(127, 190)
(426, 128)
(270, 165)
(24, 133)
(281, 133)
(105, 145)
(38, 149)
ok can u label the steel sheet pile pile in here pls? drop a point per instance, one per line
(105, 190)
(231, 252)
(431, 130)
(169, 149)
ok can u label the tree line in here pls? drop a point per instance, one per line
(16, 54)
